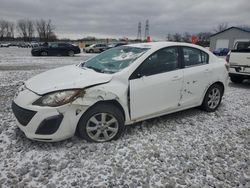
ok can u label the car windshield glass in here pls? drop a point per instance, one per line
(115, 59)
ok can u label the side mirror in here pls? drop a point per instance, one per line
(139, 75)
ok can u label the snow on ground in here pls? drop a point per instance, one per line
(185, 149)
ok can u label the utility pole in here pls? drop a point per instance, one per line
(146, 30)
(139, 31)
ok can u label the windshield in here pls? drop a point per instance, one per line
(115, 59)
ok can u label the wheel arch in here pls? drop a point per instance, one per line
(114, 103)
(110, 102)
(218, 83)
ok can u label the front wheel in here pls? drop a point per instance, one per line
(212, 98)
(101, 123)
(44, 53)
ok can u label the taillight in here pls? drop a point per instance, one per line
(227, 66)
(228, 57)
(227, 61)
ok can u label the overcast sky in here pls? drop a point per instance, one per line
(119, 18)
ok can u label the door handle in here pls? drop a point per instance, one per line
(175, 78)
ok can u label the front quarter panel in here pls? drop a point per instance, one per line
(113, 90)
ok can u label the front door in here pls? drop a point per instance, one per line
(156, 86)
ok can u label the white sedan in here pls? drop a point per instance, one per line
(120, 86)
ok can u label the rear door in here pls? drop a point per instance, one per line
(197, 75)
(63, 48)
(156, 86)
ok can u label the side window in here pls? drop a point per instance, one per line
(62, 45)
(54, 45)
(164, 60)
(194, 57)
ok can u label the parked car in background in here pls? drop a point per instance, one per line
(121, 86)
(23, 45)
(221, 51)
(239, 62)
(113, 45)
(5, 45)
(95, 48)
(34, 44)
(55, 49)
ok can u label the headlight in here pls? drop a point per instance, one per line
(58, 98)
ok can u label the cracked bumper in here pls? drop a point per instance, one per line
(66, 127)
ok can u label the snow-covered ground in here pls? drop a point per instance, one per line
(186, 149)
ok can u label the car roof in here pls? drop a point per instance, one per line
(159, 45)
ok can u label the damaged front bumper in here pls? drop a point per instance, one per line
(45, 123)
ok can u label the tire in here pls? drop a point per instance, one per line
(44, 53)
(236, 79)
(212, 98)
(71, 53)
(91, 51)
(93, 126)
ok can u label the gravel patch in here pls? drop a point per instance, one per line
(191, 148)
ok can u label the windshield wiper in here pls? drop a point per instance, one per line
(95, 69)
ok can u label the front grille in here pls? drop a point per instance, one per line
(22, 115)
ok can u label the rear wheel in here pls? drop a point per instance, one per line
(212, 98)
(101, 123)
(44, 53)
(71, 53)
(236, 79)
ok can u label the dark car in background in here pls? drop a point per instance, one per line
(56, 49)
(221, 51)
(113, 45)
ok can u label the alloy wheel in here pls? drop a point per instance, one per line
(71, 53)
(214, 98)
(102, 127)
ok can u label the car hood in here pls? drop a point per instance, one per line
(67, 77)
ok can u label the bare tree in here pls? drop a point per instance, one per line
(177, 37)
(11, 29)
(22, 29)
(203, 38)
(221, 27)
(45, 30)
(30, 29)
(3, 28)
(186, 37)
(26, 29)
(169, 37)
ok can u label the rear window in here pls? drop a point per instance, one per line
(242, 45)
(194, 57)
